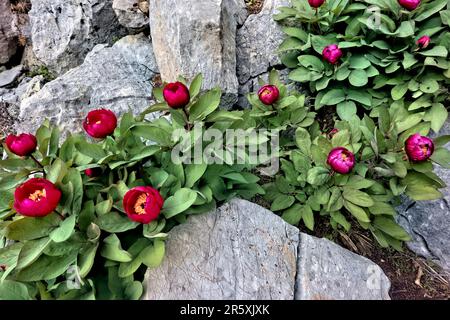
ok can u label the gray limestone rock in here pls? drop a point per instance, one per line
(428, 222)
(327, 271)
(243, 251)
(258, 41)
(64, 31)
(9, 76)
(203, 41)
(8, 34)
(132, 14)
(117, 77)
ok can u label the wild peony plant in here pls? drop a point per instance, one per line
(360, 55)
(84, 219)
(354, 174)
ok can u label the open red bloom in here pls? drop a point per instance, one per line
(316, 3)
(409, 4)
(100, 123)
(36, 198)
(268, 94)
(341, 160)
(332, 53)
(423, 42)
(176, 95)
(143, 204)
(419, 148)
(21, 145)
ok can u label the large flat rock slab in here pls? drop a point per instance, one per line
(327, 271)
(242, 251)
(114, 77)
(198, 36)
(238, 252)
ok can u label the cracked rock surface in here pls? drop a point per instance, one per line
(116, 78)
(243, 251)
(428, 222)
(64, 31)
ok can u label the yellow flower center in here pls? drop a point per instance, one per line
(344, 156)
(266, 92)
(425, 149)
(37, 195)
(139, 206)
(98, 122)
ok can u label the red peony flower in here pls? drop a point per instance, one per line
(332, 53)
(419, 148)
(36, 198)
(423, 42)
(21, 145)
(100, 123)
(93, 172)
(176, 95)
(409, 4)
(341, 160)
(316, 3)
(143, 204)
(268, 94)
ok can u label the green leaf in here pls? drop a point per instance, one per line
(12, 290)
(408, 60)
(282, 202)
(65, 230)
(431, 8)
(442, 157)
(31, 251)
(437, 115)
(104, 207)
(340, 219)
(358, 78)
(399, 91)
(357, 212)
(196, 85)
(333, 97)
(114, 222)
(391, 228)
(112, 250)
(360, 96)
(86, 260)
(318, 176)
(293, 215)
(308, 217)
(153, 255)
(381, 208)
(311, 63)
(182, 200)
(357, 197)
(47, 268)
(194, 172)
(31, 228)
(93, 151)
(205, 105)
(438, 51)
(346, 110)
(303, 141)
(359, 62)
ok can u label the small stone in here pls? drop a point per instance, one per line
(9, 76)
(8, 34)
(131, 13)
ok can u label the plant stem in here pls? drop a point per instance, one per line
(39, 164)
(60, 215)
(188, 126)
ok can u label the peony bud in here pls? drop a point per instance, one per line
(100, 123)
(176, 95)
(332, 133)
(268, 94)
(143, 204)
(93, 172)
(419, 148)
(423, 42)
(36, 198)
(316, 3)
(341, 160)
(21, 145)
(409, 4)
(332, 53)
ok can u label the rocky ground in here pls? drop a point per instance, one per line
(61, 58)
